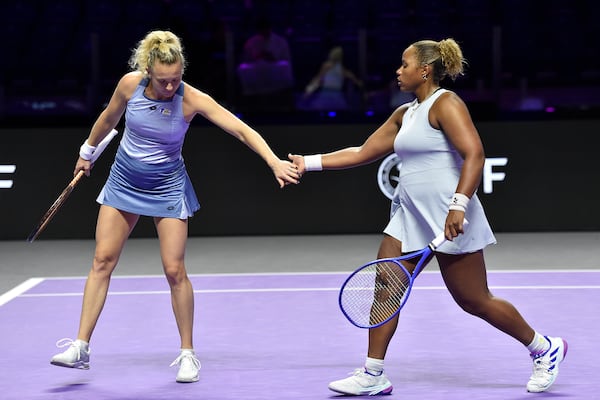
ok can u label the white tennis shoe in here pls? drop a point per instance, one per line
(362, 383)
(545, 365)
(189, 367)
(76, 356)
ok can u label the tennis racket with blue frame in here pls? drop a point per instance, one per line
(376, 292)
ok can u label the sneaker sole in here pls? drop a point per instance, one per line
(79, 365)
(192, 379)
(384, 392)
(187, 380)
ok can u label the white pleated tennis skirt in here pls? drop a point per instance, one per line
(419, 209)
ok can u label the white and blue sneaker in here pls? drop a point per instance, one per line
(189, 367)
(363, 383)
(76, 356)
(545, 365)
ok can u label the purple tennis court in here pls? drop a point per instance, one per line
(282, 336)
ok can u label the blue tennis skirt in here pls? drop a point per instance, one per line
(154, 190)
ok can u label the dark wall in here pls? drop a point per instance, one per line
(550, 184)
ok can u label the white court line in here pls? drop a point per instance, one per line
(279, 290)
(317, 273)
(217, 274)
(320, 273)
(19, 290)
(30, 283)
(153, 292)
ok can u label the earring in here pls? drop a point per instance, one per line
(424, 76)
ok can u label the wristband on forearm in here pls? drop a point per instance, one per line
(86, 151)
(459, 202)
(313, 163)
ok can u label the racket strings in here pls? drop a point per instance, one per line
(374, 294)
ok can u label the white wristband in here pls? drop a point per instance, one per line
(313, 163)
(459, 202)
(86, 151)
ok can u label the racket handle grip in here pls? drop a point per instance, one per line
(441, 238)
(103, 144)
(438, 241)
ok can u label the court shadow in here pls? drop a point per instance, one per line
(545, 395)
(68, 387)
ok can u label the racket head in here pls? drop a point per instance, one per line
(375, 292)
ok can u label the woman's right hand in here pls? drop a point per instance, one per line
(298, 161)
(83, 165)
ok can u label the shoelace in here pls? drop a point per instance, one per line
(65, 342)
(191, 357)
(361, 371)
(68, 342)
(542, 364)
(541, 367)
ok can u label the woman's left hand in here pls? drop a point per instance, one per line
(454, 224)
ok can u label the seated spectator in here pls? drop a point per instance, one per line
(329, 89)
(266, 66)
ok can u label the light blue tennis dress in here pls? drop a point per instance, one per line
(148, 176)
(428, 178)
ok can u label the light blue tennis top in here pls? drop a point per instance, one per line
(154, 129)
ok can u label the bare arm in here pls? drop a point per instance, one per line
(378, 144)
(352, 77)
(197, 102)
(450, 114)
(315, 82)
(110, 116)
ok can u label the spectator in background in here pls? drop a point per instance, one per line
(328, 89)
(266, 45)
(266, 68)
(387, 97)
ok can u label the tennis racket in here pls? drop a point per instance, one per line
(376, 292)
(58, 203)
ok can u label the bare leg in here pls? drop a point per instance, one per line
(380, 337)
(173, 237)
(466, 279)
(112, 230)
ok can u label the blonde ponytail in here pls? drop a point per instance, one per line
(162, 46)
(446, 57)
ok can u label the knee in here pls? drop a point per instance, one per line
(175, 272)
(103, 265)
(476, 305)
(389, 247)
